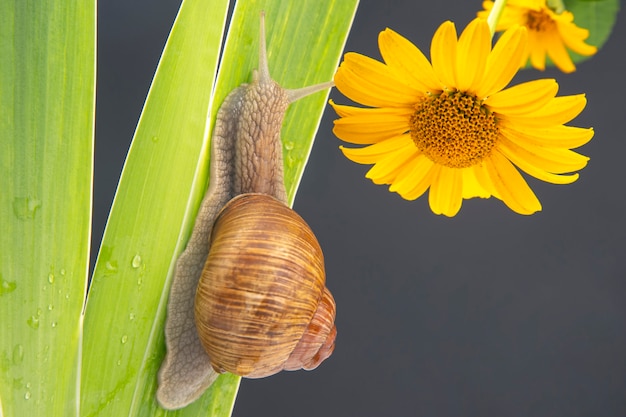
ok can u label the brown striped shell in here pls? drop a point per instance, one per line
(262, 305)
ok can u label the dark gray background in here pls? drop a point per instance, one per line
(488, 313)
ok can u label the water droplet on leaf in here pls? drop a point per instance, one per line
(25, 208)
(18, 354)
(7, 287)
(136, 262)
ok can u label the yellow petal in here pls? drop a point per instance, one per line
(443, 54)
(473, 49)
(512, 188)
(527, 165)
(387, 169)
(553, 160)
(471, 185)
(370, 82)
(554, 136)
(557, 52)
(408, 61)
(523, 98)
(574, 37)
(445, 195)
(482, 175)
(503, 62)
(346, 111)
(558, 111)
(414, 179)
(374, 153)
(537, 50)
(370, 128)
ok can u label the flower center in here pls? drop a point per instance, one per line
(539, 21)
(453, 129)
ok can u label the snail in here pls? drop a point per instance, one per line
(248, 294)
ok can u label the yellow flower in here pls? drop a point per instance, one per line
(549, 32)
(450, 126)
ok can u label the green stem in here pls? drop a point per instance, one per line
(494, 15)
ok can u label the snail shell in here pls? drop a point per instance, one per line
(261, 305)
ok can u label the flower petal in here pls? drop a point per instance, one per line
(387, 169)
(526, 165)
(373, 153)
(511, 186)
(557, 52)
(443, 54)
(503, 62)
(445, 195)
(558, 111)
(406, 60)
(473, 49)
(537, 50)
(345, 111)
(370, 82)
(574, 38)
(554, 136)
(372, 127)
(414, 179)
(523, 98)
(482, 175)
(471, 185)
(553, 160)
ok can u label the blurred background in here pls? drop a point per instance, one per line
(488, 313)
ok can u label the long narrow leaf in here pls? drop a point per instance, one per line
(47, 88)
(161, 187)
(127, 297)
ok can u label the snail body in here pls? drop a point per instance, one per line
(248, 294)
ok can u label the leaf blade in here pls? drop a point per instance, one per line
(47, 102)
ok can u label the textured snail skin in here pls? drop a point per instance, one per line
(246, 157)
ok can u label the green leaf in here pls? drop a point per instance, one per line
(597, 16)
(47, 90)
(124, 314)
(166, 174)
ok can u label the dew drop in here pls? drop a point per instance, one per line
(27, 395)
(54, 324)
(7, 287)
(289, 145)
(136, 262)
(119, 362)
(131, 316)
(110, 267)
(25, 208)
(155, 139)
(62, 271)
(291, 161)
(18, 354)
(124, 339)
(33, 322)
(51, 278)
(50, 307)
(140, 281)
